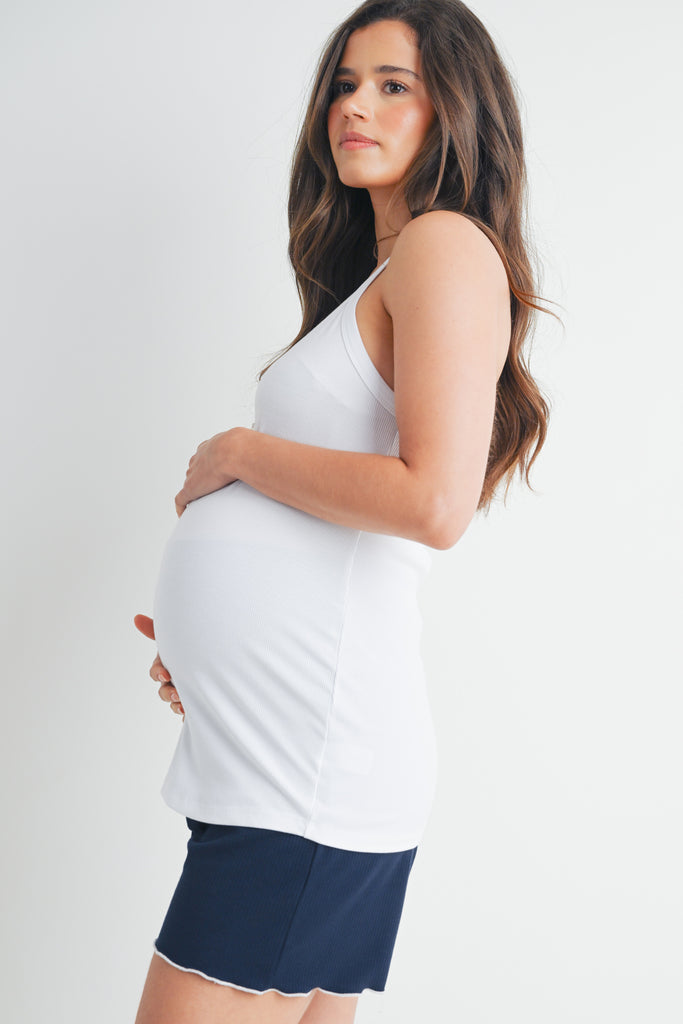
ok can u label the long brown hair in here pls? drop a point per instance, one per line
(472, 162)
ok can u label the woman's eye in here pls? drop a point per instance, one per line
(338, 90)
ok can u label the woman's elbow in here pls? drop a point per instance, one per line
(443, 537)
(445, 526)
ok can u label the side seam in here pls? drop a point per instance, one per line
(347, 590)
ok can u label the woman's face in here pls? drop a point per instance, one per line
(391, 107)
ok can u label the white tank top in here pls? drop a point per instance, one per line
(293, 642)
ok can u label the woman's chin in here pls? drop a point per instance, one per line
(358, 178)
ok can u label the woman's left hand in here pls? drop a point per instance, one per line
(209, 468)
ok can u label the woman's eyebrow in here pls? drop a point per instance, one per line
(381, 70)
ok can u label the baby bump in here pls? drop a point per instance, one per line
(248, 585)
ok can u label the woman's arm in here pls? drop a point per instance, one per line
(446, 291)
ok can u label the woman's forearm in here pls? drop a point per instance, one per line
(365, 491)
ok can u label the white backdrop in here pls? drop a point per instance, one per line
(144, 282)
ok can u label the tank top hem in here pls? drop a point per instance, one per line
(260, 817)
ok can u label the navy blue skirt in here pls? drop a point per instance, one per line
(259, 909)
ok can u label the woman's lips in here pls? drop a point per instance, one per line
(355, 144)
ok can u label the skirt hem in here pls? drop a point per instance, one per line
(256, 991)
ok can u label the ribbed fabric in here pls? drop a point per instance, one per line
(262, 910)
(294, 642)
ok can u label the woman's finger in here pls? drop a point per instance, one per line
(168, 693)
(145, 625)
(159, 672)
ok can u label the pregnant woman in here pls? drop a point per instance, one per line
(286, 614)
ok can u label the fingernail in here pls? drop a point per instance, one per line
(175, 697)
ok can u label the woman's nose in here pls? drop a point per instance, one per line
(356, 102)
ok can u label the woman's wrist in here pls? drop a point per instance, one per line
(231, 458)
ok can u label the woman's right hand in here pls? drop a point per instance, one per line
(159, 672)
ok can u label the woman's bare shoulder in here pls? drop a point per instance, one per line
(438, 241)
(445, 277)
